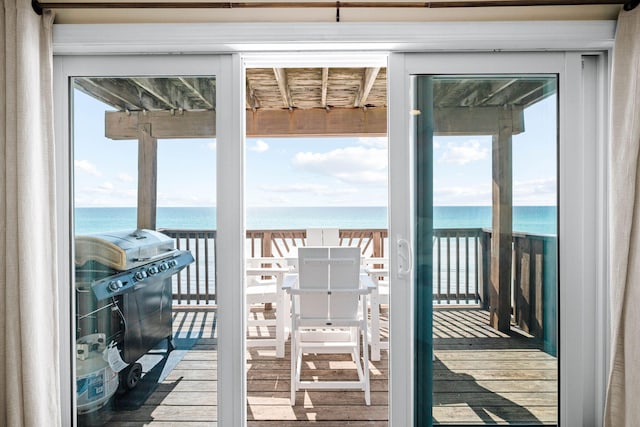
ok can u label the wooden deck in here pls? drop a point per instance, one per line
(480, 377)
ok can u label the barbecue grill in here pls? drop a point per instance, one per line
(123, 308)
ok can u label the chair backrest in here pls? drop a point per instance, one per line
(323, 237)
(323, 270)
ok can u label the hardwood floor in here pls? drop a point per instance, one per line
(480, 377)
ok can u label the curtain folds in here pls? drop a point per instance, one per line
(29, 345)
(622, 407)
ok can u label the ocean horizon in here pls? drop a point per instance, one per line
(526, 219)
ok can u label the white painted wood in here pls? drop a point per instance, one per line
(344, 36)
(401, 226)
(66, 300)
(230, 268)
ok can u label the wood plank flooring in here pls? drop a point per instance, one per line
(480, 377)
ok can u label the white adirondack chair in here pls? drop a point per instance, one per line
(261, 290)
(329, 315)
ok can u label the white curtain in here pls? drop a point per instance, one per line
(623, 394)
(29, 365)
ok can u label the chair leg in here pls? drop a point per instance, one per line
(294, 360)
(365, 364)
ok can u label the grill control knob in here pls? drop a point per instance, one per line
(140, 275)
(152, 270)
(164, 266)
(113, 286)
(173, 263)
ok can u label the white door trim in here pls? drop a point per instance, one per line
(87, 39)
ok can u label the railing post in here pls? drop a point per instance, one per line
(484, 267)
(377, 244)
(266, 244)
(267, 252)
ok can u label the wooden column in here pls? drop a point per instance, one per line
(502, 225)
(147, 177)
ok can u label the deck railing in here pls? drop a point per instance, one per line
(461, 267)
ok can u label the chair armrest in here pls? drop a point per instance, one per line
(366, 282)
(289, 282)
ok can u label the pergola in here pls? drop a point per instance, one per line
(324, 102)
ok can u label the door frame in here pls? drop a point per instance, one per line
(80, 42)
(582, 243)
(229, 166)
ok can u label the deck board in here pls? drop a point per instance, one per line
(481, 376)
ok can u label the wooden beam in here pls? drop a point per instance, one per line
(325, 85)
(164, 124)
(502, 226)
(193, 86)
(368, 79)
(147, 177)
(313, 122)
(252, 101)
(317, 122)
(158, 89)
(281, 78)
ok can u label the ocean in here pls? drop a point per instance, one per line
(526, 219)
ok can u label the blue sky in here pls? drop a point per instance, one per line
(308, 171)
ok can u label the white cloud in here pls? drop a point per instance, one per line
(106, 186)
(372, 141)
(462, 195)
(535, 192)
(317, 189)
(461, 153)
(350, 164)
(125, 177)
(186, 200)
(87, 167)
(260, 146)
(105, 196)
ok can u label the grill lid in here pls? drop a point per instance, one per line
(123, 250)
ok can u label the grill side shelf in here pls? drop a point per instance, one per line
(128, 280)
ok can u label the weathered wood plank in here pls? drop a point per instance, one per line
(503, 379)
(147, 177)
(316, 413)
(168, 413)
(502, 224)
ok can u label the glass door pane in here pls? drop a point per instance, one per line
(486, 249)
(144, 197)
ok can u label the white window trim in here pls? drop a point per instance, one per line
(127, 39)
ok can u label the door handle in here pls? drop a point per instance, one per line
(404, 258)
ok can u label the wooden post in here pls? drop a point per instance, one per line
(147, 177)
(502, 225)
(377, 244)
(484, 268)
(267, 252)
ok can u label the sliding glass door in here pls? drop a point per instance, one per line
(156, 182)
(480, 219)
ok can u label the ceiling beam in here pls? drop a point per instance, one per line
(196, 91)
(325, 85)
(158, 89)
(252, 100)
(281, 78)
(368, 79)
